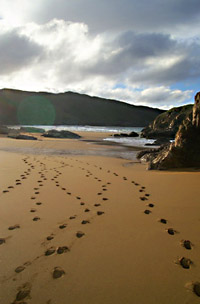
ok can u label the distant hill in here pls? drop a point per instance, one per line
(32, 108)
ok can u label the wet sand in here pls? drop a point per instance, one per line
(93, 229)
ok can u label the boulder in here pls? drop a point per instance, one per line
(61, 134)
(132, 134)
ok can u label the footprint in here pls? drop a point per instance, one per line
(87, 210)
(80, 234)
(33, 210)
(23, 293)
(187, 244)
(97, 205)
(185, 262)
(10, 187)
(196, 288)
(171, 231)
(33, 197)
(58, 273)
(85, 222)
(104, 198)
(72, 217)
(99, 193)
(36, 218)
(147, 211)
(19, 269)
(18, 184)
(14, 227)
(151, 205)
(100, 212)
(50, 251)
(2, 241)
(63, 226)
(5, 191)
(82, 204)
(38, 203)
(143, 198)
(50, 237)
(163, 221)
(62, 249)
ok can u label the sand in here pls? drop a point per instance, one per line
(79, 229)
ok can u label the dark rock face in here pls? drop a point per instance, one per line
(167, 124)
(61, 134)
(185, 151)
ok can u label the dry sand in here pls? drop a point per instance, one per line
(102, 247)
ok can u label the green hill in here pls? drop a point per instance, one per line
(33, 108)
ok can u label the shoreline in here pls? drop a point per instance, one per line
(89, 144)
(52, 249)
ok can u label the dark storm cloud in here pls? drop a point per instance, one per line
(145, 59)
(131, 49)
(157, 15)
(187, 68)
(16, 52)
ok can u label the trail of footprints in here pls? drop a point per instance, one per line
(57, 272)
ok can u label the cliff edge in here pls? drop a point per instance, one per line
(185, 151)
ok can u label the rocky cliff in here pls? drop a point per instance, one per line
(32, 108)
(185, 151)
(167, 124)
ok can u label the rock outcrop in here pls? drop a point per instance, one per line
(167, 124)
(61, 134)
(185, 151)
(23, 136)
(132, 134)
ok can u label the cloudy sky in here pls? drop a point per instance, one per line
(138, 51)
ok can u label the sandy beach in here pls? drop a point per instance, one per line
(95, 229)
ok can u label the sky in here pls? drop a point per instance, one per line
(138, 51)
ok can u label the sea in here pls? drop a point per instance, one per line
(128, 141)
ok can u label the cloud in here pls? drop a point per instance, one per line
(61, 55)
(16, 51)
(161, 97)
(114, 15)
